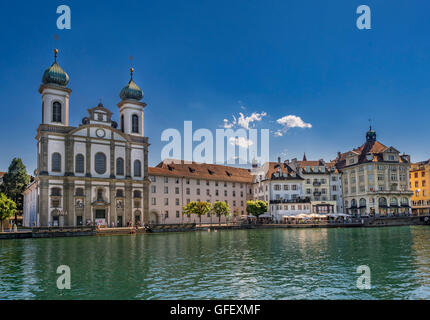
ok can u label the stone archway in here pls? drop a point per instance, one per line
(154, 217)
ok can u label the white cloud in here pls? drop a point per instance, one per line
(245, 121)
(241, 142)
(229, 125)
(290, 121)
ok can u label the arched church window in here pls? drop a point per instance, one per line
(135, 123)
(137, 194)
(56, 162)
(100, 163)
(120, 166)
(122, 123)
(137, 168)
(56, 112)
(79, 163)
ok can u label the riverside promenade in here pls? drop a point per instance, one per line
(53, 232)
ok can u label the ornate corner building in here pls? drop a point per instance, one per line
(93, 173)
(375, 179)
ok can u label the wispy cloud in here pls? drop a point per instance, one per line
(288, 122)
(244, 121)
(241, 142)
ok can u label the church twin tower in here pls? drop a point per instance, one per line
(95, 173)
(55, 101)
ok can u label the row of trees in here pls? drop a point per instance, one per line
(201, 208)
(220, 208)
(14, 183)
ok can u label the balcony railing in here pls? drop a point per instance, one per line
(297, 200)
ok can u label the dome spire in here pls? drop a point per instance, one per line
(370, 135)
(131, 91)
(55, 74)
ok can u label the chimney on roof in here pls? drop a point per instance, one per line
(279, 160)
(338, 155)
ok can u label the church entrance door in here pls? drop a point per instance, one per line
(101, 217)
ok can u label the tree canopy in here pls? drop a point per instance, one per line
(199, 208)
(7, 208)
(256, 208)
(220, 208)
(15, 180)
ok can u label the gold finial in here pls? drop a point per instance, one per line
(131, 72)
(55, 54)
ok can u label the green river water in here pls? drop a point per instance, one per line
(240, 264)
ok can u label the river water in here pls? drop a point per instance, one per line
(239, 264)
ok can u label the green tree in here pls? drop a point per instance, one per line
(14, 183)
(256, 208)
(199, 208)
(220, 208)
(7, 209)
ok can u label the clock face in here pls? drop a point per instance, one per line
(100, 133)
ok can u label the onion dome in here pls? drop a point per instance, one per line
(55, 75)
(131, 90)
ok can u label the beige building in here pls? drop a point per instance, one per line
(173, 185)
(375, 179)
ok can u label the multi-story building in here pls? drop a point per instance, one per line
(175, 183)
(335, 186)
(92, 173)
(375, 179)
(317, 186)
(282, 187)
(419, 176)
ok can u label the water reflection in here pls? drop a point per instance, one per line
(248, 264)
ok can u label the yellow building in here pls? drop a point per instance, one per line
(420, 184)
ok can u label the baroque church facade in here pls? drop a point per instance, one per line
(95, 173)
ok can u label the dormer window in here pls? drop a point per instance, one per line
(191, 169)
(210, 172)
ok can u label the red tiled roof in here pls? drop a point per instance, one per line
(274, 168)
(202, 171)
(373, 147)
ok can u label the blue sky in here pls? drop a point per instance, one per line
(208, 60)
